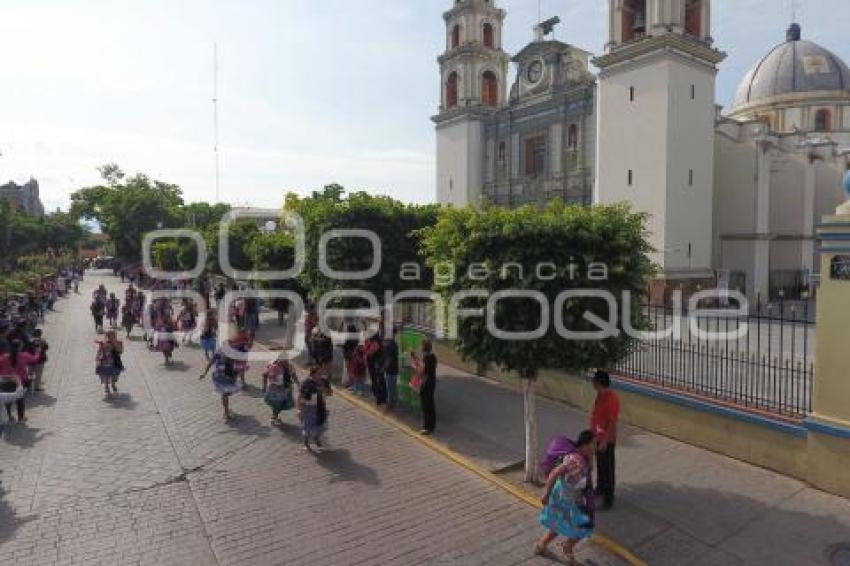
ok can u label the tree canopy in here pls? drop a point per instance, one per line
(394, 222)
(576, 247)
(22, 234)
(127, 208)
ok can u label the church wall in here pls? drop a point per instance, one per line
(734, 188)
(785, 256)
(787, 192)
(793, 119)
(738, 256)
(459, 163)
(828, 194)
(690, 166)
(632, 135)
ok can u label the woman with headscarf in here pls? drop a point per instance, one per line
(568, 499)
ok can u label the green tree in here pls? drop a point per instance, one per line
(394, 223)
(577, 241)
(22, 234)
(127, 208)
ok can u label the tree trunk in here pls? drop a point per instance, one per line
(530, 405)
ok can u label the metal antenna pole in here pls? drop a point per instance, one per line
(215, 122)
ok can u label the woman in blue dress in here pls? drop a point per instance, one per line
(567, 507)
(209, 334)
(225, 379)
(312, 407)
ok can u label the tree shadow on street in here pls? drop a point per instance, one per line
(345, 469)
(669, 524)
(9, 520)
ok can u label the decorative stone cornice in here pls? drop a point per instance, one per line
(644, 47)
(791, 100)
(473, 50)
(459, 9)
(460, 113)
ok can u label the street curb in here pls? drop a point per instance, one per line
(525, 496)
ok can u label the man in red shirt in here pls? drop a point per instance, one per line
(603, 423)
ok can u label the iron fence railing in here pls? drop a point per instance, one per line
(770, 367)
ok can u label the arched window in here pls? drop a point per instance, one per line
(488, 36)
(456, 36)
(489, 89)
(693, 17)
(634, 19)
(822, 120)
(451, 90)
(572, 137)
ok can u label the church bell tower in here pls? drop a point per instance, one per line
(656, 127)
(473, 77)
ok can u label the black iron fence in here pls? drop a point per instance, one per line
(763, 360)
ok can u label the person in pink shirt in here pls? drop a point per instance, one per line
(14, 366)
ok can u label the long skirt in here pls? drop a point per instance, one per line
(313, 424)
(563, 516)
(279, 399)
(225, 385)
(208, 344)
(108, 374)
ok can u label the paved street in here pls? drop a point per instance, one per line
(154, 476)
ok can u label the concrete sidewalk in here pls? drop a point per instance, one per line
(676, 504)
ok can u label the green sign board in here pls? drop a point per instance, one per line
(409, 341)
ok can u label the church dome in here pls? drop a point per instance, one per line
(796, 66)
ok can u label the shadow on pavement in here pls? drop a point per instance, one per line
(290, 431)
(9, 520)
(40, 399)
(21, 435)
(177, 366)
(121, 401)
(707, 526)
(339, 462)
(247, 425)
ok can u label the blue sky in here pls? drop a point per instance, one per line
(312, 91)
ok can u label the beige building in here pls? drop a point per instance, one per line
(732, 197)
(781, 153)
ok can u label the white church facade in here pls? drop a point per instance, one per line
(732, 197)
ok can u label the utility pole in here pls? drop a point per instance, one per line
(215, 122)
